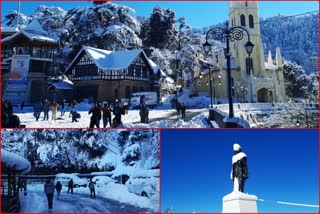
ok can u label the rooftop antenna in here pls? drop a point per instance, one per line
(17, 18)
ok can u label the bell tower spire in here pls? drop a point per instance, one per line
(245, 13)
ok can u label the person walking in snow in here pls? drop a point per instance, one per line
(70, 186)
(37, 110)
(183, 111)
(63, 107)
(92, 189)
(178, 108)
(58, 188)
(106, 115)
(117, 112)
(239, 171)
(49, 191)
(55, 107)
(46, 105)
(144, 113)
(96, 116)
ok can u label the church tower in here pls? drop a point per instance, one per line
(246, 14)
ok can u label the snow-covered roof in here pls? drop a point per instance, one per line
(9, 29)
(111, 60)
(156, 68)
(63, 85)
(35, 27)
(31, 36)
(16, 162)
(269, 66)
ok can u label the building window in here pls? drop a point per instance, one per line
(243, 20)
(251, 21)
(249, 65)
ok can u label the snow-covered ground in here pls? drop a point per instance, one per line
(257, 114)
(163, 116)
(111, 197)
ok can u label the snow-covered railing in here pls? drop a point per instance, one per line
(15, 162)
(220, 118)
(264, 106)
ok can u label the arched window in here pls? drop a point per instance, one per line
(249, 65)
(251, 21)
(243, 20)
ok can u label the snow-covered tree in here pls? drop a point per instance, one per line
(296, 36)
(297, 81)
(11, 19)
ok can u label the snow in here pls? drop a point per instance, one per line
(112, 60)
(35, 27)
(238, 156)
(14, 161)
(31, 37)
(236, 147)
(236, 195)
(269, 66)
(62, 85)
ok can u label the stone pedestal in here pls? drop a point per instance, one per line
(238, 202)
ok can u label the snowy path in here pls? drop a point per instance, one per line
(37, 202)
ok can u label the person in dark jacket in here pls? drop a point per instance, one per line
(144, 113)
(58, 188)
(96, 116)
(178, 108)
(37, 110)
(46, 106)
(183, 111)
(49, 191)
(92, 189)
(106, 115)
(117, 112)
(239, 171)
(70, 186)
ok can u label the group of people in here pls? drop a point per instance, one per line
(104, 112)
(49, 189)
(45, 106)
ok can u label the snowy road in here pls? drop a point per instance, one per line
(37, 202)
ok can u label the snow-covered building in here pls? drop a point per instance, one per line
(11, 166)
(253, 78)
(107, 75)
(32, 57)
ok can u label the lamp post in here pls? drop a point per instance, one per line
(228, 34)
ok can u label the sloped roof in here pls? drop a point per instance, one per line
(269, 66)
(62, 85)
(16, 162)
(9, 29)
(111, 60)
(35, 27)
(32, 37)
(156, 68)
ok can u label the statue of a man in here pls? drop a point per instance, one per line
(239, 171)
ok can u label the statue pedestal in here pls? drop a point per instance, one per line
(238, 202)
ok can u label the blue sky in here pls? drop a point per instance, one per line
(196, 166)
(198, 14)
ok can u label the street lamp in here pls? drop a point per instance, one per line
(228, 34)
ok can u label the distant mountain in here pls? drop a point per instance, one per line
(296, 36)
